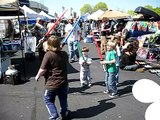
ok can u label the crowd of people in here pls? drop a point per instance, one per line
(55, 60)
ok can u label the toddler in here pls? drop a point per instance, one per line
(85, 61)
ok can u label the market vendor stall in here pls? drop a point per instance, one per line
(9, 45)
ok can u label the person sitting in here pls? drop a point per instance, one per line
(128, 59)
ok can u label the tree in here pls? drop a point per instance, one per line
(101, 5)
(149, 7)
(131, 12)
(157, 9)
(86, 9)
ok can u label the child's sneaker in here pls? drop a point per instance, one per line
(117, 84)
(106, 92)
(89, 85)
(113, 95)
(83, 84)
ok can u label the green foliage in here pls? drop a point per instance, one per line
(103, 6)
(149, 7)
(131, 12)
(100, 5)
(157, 9)
(86, 9)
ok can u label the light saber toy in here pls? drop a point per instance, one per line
(99, 52)
(65, 40)
(55, 24)
(80, 51)
(75, 24)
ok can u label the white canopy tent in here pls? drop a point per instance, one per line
(29, 13)
(84, 17)
(95, 15)
(46, 16)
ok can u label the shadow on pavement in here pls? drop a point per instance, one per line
(77, 89)
(73, 80)
(71, 69)
(100, 83)
(27, 68)
(95, 58)
(82, 89)
(91, 111)
(127, 87)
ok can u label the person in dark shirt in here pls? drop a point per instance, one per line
(128, 59)
(105, 30)
(54, 68)
(10, 30)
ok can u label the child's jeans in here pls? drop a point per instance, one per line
(117, 74)
(85, 77)
(110, 81)
(49, 98)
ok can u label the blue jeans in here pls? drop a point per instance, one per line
(49, 98)
(117, 74)
(131, 67)
(110, 81)
(73, 49)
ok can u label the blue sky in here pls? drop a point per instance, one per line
(56, 5)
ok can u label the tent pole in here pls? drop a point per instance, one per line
(23, 61)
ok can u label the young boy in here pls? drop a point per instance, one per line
(85, 62)
(110, 77)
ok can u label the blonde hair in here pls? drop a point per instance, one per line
(111, 44)
(53, 43)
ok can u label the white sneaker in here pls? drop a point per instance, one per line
(113, 95)
(106, 91)
(89, 85)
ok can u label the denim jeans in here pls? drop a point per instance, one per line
(131, 67)
(117, 74)
(110, 81)
(49, 98)
(73, 49)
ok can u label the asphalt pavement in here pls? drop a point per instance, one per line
(24, 101)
